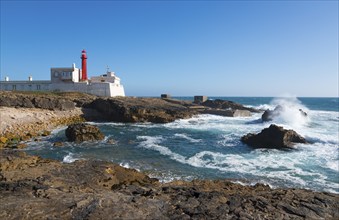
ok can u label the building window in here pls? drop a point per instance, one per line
(13, 87)
(29, 87)
(38, 87)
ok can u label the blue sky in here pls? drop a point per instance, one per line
(185, 48)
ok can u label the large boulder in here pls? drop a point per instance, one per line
(83, 132)
(273, 137)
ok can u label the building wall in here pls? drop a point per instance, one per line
(108, 77)
(99, 88)
(116, 90)
(65, 75)
(25, 85)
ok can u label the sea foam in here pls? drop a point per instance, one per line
(291, 115)
(186, 137)
(70, 158)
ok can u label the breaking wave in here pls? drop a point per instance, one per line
(290, 113)
(70, 158)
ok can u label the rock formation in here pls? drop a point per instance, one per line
(36, 188)
(83, 132)
(43, 101)
(123, 109)
(273, 137)
(268, 115)
(228, 105)
(128, 109)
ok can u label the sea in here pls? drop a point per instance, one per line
(209, 146)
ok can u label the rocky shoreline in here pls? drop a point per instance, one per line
(36, 188)
(45, 111)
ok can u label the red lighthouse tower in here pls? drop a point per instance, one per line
(84, 65)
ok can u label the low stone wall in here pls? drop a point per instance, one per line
(227, 113)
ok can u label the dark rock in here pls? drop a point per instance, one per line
(27, 100)
(268, 115)
(27, 103)
(53, 104)
(228, 105)
(58, 144)
(83, 132)
(273, 137)
(302, 112)
(128, 109)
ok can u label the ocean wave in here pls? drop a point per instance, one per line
(106, 123)
(186, 137)
(211, 123)
(70, 158)
(271, 164)
(227, 140)
(128, 166)
(57, 130)
(152, 143)
(168, 176)
(263, 106)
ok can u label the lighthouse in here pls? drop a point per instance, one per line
(84, 65)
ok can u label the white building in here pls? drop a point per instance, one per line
(29, 85)
(69, 79)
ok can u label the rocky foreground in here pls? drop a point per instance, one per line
(36, 188)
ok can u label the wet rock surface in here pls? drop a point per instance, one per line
(273, 137)
(80, 132)
(47, 189)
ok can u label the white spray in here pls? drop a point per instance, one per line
(292, 112)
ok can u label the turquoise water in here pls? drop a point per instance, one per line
(209, 146)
